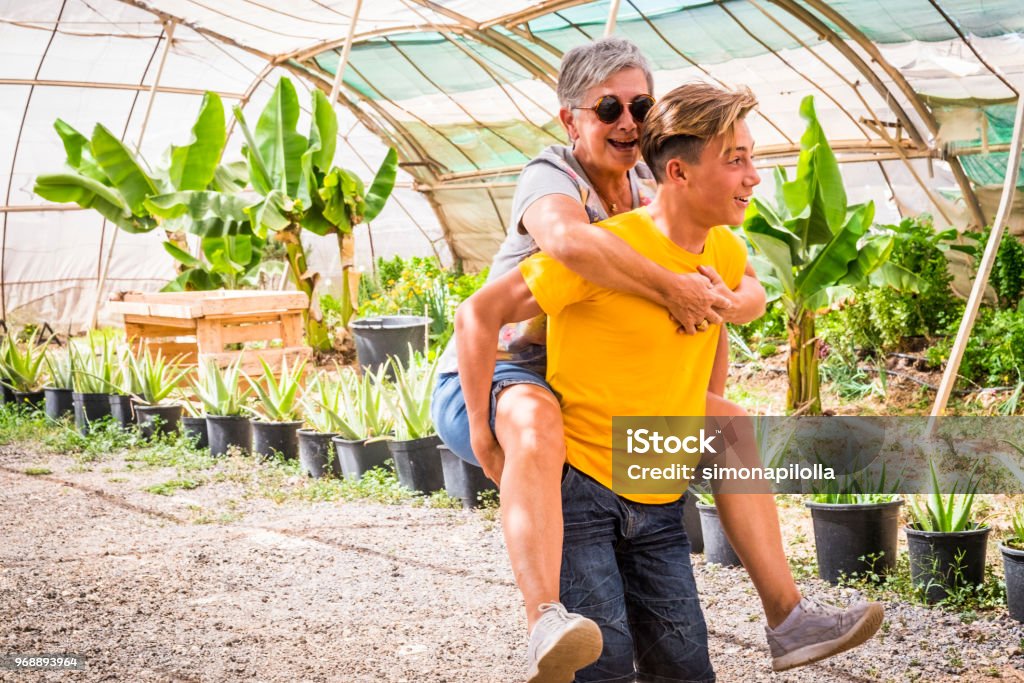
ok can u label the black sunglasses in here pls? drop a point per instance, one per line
(609, 108)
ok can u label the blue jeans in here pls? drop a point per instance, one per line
(448, 405)
(627, 566)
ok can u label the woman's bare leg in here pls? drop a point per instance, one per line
(528, 426)
(751, 523)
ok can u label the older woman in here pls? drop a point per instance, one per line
(605, 91)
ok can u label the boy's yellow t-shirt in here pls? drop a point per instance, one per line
(616, 354)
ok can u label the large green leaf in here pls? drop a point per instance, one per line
(182, 256)
(209, 213)
(194, 279)
(761, 218)
(259, 174)
(889, 274)
(193, 165)
(323, 132)
(776, 251)
(79, 155)
(230, 177)
(272, 213)
(342, 193)
(832, 263)
(816, 194)
(123, 169)
(279, 144)
(89, 193)
(873, 252)
(383, 184)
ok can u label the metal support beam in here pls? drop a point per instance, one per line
(613, 15)
(984, 268)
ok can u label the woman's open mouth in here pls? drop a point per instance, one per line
(623, 144)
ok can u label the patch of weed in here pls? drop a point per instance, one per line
(37, 471)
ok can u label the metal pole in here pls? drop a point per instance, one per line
(336, 87)
(985, 267)
(613, 14)
(169, 32)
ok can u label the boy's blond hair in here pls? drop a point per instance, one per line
(685, 119)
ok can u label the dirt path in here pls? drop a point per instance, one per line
(91, 564)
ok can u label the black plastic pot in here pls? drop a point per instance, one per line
(89, 408)
(33, 399)
(58, 403)
(692, 525)
(463, 480)
(225, 431)
(388, 335)
(418, 463)
(122, 408)
(316, 453)
(167, 414)
(843, 534)
(195, 428)
(934, 563)
(717, 548)
(276, 437)
(6, 393)
(1013, 569)
(356, 458)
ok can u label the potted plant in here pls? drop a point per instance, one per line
(154, 379)
(122, 388)
(57, 392)
(361, 420)
(1012, 550)
(193, 424)
(856, 525)
(222, 397)
(92, 373)
(463, 480)
(717, 548)
(414, 447)
(277, 412)
(22, 369)
(946, 547)
(316, 452)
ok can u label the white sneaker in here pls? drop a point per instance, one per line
(561, 644)
(814, 631)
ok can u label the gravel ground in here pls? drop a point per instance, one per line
(146, 590)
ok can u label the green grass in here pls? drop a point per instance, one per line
(37, 471)
(168, 488)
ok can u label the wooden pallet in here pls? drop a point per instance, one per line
(199, 326)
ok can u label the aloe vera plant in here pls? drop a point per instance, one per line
(278, 393)
(94, 367)
(321, 401)
(409, 399)
(365, 414)
(220, 390)
(859, 488)
(60, 367)
(154, 378)
(944, 512)
(1017, 527)
(22, 365)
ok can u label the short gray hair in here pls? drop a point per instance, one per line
(591, 64)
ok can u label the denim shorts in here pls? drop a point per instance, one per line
(448, 405)
(627, 566)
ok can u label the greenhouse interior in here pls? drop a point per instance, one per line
(256, 256)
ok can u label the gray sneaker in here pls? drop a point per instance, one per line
(814, 631)
(560, 645)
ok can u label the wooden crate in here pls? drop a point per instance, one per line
(199, 325)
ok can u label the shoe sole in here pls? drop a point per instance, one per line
(578, 647)
(861, 631)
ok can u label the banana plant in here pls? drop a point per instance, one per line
(815, 248)
(103, 174)
(302, 189)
